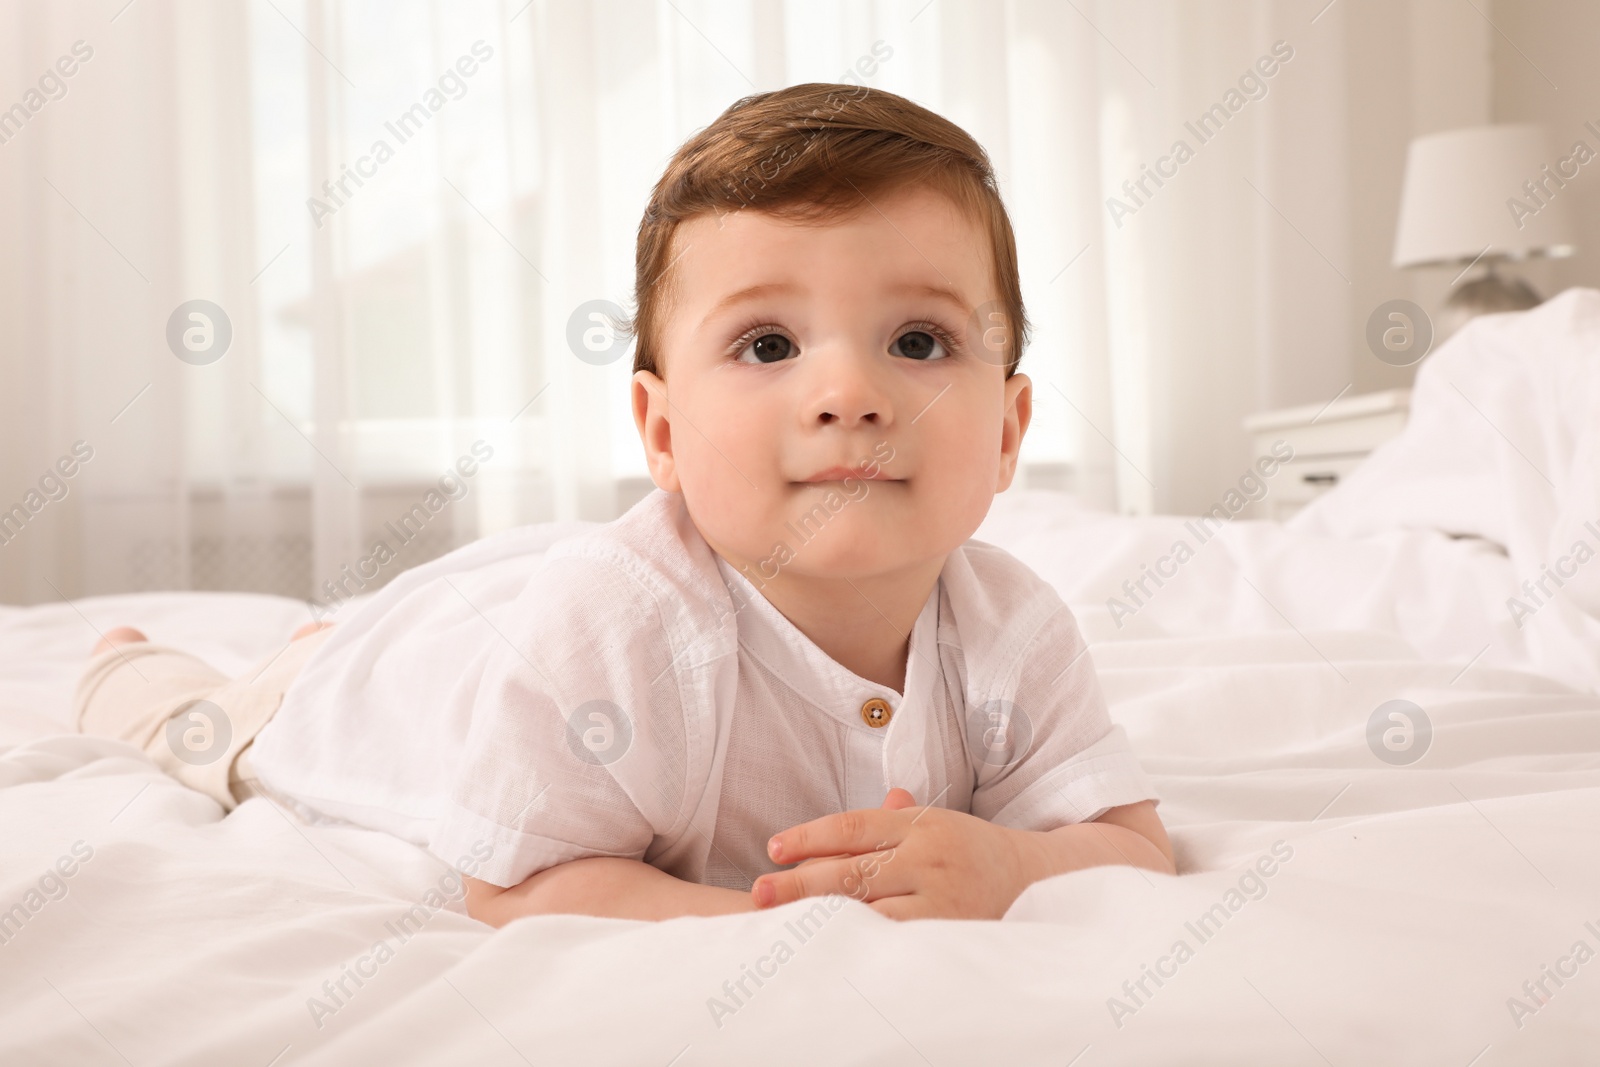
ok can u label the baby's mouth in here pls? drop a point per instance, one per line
(840, 474)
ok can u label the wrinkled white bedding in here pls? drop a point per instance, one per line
(1333, 907)
(1503, 444)
(1417, 899)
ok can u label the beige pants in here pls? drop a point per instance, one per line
(194, 722)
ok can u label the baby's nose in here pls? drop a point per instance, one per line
(848, 393)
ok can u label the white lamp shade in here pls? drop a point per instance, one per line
(1462, 191)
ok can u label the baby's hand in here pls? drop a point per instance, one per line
(905, 862)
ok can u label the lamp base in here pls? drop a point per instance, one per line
(1485, 296)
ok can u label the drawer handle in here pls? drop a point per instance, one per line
(1327, 478)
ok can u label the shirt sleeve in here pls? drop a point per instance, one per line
(1043, 745)
(577, 739)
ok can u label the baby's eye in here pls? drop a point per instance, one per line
(768, 348)
(919, 344)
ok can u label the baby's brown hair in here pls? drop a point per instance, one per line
(814, 153)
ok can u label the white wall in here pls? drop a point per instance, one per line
(1555, 40)
(1295, 283)
(1413, 69)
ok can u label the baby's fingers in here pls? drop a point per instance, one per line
(865, 877)
(821, 859)
(856, 832)
(898, 798)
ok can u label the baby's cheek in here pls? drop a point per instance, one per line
(735, 446)
(965, 457)
(729, 510)
(714, 500)
(714, 449)
(959, 487)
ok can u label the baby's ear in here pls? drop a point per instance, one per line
(652, 415)
(1017, 414)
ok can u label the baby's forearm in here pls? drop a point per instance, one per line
(605, 886)
(1132, 835)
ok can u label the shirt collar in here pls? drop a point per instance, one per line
(767, 635)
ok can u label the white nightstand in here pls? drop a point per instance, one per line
(1328, 441)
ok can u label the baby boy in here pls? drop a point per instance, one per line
(788, 672)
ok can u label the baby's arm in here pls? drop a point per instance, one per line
(607, 886)
(1132, 834)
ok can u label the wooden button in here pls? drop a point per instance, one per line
(876, 713)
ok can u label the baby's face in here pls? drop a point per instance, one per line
(825, 411)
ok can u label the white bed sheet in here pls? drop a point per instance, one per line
(1417, 902)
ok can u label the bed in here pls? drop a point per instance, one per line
(1354, 887)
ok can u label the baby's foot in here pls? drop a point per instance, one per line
(118, 635)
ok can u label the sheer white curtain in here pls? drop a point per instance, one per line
(399, 208)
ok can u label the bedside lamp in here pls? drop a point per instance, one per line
(1488, 195)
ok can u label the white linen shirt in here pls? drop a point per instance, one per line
(641, 698)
